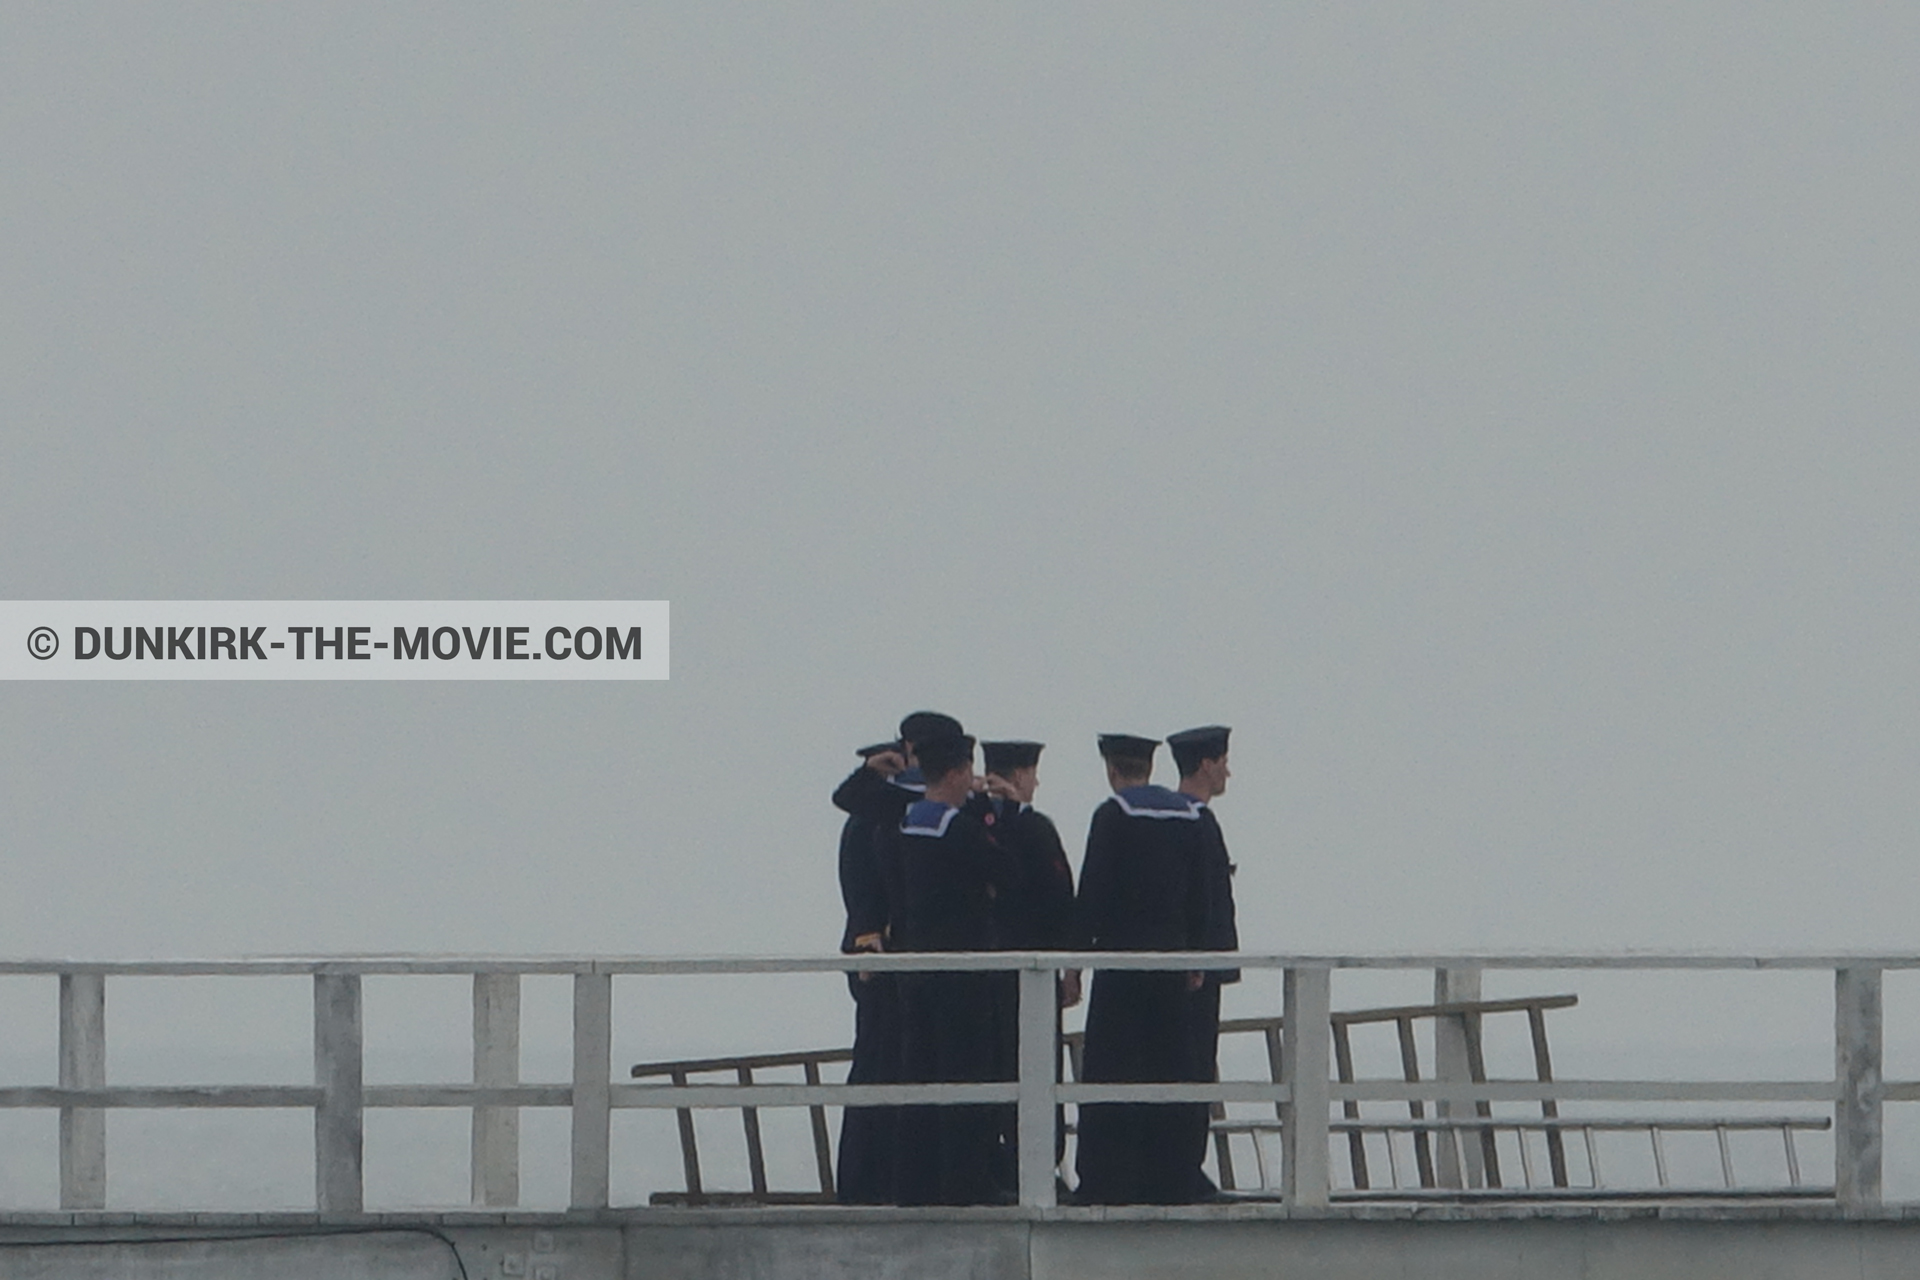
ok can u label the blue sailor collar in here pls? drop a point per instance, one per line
(1150, 801)
(927, 818)
(909, 779)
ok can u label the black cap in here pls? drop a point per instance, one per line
(867, 753)
(1005, 757)
(941, 755)
(921, 725)
(1191, 746)
(1128, 748)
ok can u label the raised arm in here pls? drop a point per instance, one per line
(867, 793)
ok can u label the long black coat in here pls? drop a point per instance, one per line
(873, 805)
(1035, 914)
(943, 874)
(1155, 878)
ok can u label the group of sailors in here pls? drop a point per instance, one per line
(934, 857)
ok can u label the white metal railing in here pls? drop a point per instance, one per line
(1456, 1134)
(339, 1097)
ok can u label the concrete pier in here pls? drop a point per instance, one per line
(1235, 1242)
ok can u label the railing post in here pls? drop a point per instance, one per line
(1039, 1053)
(592, 1087)
(1452, 1066)
(1307, 1010)
(83, 1065)
(496, 1061)
(1857, 1133)
(338, 1072)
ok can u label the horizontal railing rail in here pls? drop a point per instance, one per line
(1304, 1093)
(970, 961)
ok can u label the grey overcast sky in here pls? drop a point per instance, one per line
(1502, 415)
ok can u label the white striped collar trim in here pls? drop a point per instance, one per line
(1187, 812)
(917, 819)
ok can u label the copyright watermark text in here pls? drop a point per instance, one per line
(333, 640)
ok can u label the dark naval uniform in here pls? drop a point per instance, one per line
(1154, 879)
(1222, 933)
(873, 805)
(943, 873)
(1036, 914)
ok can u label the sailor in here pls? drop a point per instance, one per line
(1144, 886)
(1035, 915)
(943, 872)
(1200, 755)
(873, 797)
(1039, 917)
